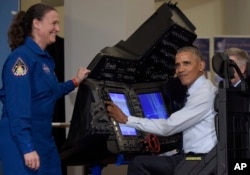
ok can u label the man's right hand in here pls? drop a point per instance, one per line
(115, 112)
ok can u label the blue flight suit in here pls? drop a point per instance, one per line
(29, 93)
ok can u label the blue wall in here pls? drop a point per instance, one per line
(6, 14)
(6, 9)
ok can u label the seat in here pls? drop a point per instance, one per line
(201, 164)
(198, 164)
(231, 104)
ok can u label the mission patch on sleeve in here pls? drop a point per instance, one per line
(20, 68)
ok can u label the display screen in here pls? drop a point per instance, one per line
(153, 105)
(120, 100)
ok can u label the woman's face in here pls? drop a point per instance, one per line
(46, 29)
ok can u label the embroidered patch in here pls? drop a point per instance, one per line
(20, 68)
(46, 68)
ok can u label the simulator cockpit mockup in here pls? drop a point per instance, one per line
(135, 74)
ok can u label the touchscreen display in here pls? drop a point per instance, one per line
(120, 100)
(153, 105)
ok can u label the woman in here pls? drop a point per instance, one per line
(29, 93)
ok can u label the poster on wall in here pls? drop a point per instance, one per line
(203, 44)
(224, 42)
(221, 43)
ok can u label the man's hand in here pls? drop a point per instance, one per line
(115, 112)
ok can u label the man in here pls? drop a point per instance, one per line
(195, 119)
(241, 58)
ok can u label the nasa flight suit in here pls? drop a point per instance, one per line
(29, 93)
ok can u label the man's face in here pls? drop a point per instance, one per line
(242, 68)
(188, 67)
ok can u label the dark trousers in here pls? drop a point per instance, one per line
(154, 165)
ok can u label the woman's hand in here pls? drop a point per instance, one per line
(82, 74)
(32, 160)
